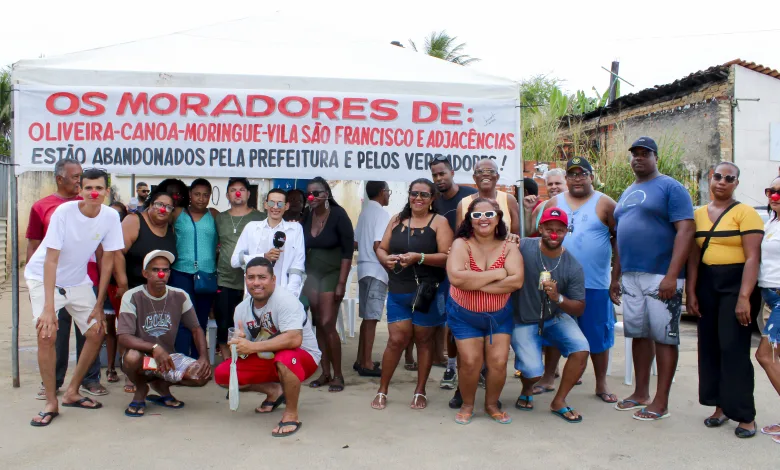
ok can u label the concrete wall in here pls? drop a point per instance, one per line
(751, 132)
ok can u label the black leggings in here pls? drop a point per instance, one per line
(224, 308)
(725, 370)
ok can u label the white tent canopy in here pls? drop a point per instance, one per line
(276, 52)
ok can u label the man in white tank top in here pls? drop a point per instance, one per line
(486, 177)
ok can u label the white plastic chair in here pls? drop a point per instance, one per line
(628, 377)
(211, 329)
(348, 308)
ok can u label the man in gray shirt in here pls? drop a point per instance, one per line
(554, 288)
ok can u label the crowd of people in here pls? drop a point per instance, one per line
(450, 271)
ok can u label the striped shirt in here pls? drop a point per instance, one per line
(478, 301)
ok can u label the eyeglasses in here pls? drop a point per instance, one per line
(421, 194)
(769, 192)
(388, 191)
(486, 214)
(275, 204)
(143, 191)
(160, 205)
(485, 172)
(729, 178)
(315, 193)
(577, 176)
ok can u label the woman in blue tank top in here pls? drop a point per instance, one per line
(196, 239)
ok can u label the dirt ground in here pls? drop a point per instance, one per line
(341, 430)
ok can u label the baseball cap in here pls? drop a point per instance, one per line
(553, 214)
(579, 162)
(645, 143)
(156, 254)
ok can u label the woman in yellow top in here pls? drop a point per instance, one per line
(722, 273)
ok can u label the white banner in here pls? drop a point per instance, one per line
(262, 134)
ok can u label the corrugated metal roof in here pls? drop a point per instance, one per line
(679, 88)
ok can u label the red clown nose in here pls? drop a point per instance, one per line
(163, 211)
(553, 236)
(176, 197)
(238, 193)
(311, 197)
(94, 194)
(775, 197)
(160, 274)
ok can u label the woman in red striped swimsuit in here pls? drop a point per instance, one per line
(483, 271)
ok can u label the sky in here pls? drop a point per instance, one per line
(655, 42)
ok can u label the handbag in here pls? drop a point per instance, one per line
(204, 283)
(426, 290)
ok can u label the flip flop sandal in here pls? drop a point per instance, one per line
(562, 414)
(138, 405)
(112, 377)
(411, 366)
(414, 401)
(653, 415)
(129, 388)
(768, 433)
(539, 389)
(529, 400)
(97, 391)
(501, 418)
(715, 422)
(375, 372)
(356, 366)
(316, 383)
(381, 396)
(297, 425)
(335, 387)
(776, 439)
(44, 415)
(607, 397)
(273, 404)
(518, 374)
(163, 401)
(635, 405)
(80, 404)
(464, 418)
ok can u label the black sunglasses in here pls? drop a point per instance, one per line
(769, 192)
(729, 178)
(422, 194)
(315, 193)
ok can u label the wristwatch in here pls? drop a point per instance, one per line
(560, 299)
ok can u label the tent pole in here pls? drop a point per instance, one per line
(132, 187)
(14, 258)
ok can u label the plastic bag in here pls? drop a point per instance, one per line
(233, 383)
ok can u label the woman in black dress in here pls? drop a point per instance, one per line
(330, 242)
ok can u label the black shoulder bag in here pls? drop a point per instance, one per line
(426, 290)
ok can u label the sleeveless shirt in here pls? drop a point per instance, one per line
(478, 301)
(589, 241)
(146, 242)
(419, 240)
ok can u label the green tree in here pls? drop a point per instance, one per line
(5, 110)
(442, 45)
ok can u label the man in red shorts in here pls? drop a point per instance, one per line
(276, 345)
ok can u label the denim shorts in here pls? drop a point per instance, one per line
(598, 321)
(772, 328)
(466, 324)
(560, 331)
(399, 308)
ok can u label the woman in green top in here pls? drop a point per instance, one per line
(195, 222)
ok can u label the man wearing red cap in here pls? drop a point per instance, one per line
(57, 278)
(148, 324)
(554, 286)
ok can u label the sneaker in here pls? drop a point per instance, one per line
(449, 379)
(456, 401)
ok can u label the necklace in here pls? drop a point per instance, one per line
(541, 260)
(165, 304)
(235, 226)
(321, 221)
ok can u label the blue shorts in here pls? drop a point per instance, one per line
(772, 328)
(598, 321)
(442, 296)
(399, 309)
(561, 331)
(108, 309)
(466, 324)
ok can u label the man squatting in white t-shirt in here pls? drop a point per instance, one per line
(57, 278)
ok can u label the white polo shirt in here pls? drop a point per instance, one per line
(371, 226)
(257, 239)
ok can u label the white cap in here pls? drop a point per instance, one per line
(156, 254)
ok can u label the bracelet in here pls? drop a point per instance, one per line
(422, 259)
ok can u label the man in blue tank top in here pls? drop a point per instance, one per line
(591, 240)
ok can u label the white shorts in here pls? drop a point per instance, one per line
(645, 315)
(79, 301)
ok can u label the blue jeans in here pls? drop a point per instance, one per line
(185, 343)
(62, 348)
(560, 331)
(772, 328)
